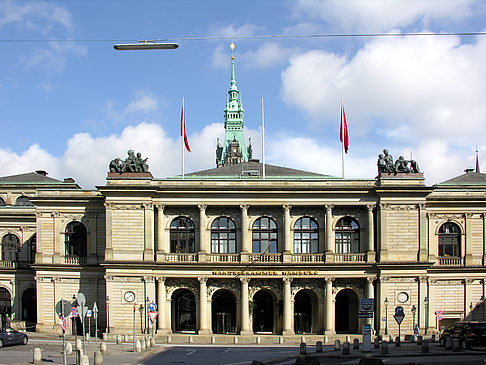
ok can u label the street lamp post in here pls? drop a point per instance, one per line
(413, 310)
(386, 316)
(426, 314)
(134, 310)
(107, 314)
(147, 324)
(140, 310)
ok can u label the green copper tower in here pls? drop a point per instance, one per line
(233, 150)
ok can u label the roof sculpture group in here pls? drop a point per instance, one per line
(386, 165)
(133, 163)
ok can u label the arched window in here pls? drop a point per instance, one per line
(223, 236)
(10, 247)
(449, 240)
(347, 236)
(306, 235)
(182, 235)
(2, 202)
(23, 201)
(32, 247)
(264, 235)
(76, 239)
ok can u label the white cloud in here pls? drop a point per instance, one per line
(381, 16)
(144, 102)
(141, 102)
(232, 30)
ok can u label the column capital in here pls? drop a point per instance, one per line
(160, 278)
(287, 207)
(370, 279)
(370, 207)
(422, 206)
(329, 280)
(287, 280)
(160, 207)
(147, 206)
(245, 280)
(203, 280)
(422, 279)
(329, 207)
(244, 207)
(202, 207)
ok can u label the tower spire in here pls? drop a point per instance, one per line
(477, 161)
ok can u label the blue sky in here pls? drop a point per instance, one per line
(71, 106)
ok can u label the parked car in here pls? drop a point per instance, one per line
(467, 332)
(9, 336)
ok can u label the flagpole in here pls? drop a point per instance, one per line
(263, 141)
(183, 122)
(343, 158)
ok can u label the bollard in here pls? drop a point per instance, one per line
(84, 360)
(138, 346)
(337, 345)
(376, 343)
(142, 344)
(455, 345)
(87, 337)
(356, 344)
(118, 339)
(79, 344)
(419, 340)
(126, 338)
(319, 346)
(390, 339)
(236, 339)
(303, 349)
(37, 356)
(348, 338)
(397, 341)
(98, 358)
(169, 339)
(448, 343)
(432, 339)
(105, 336)
(280, 339)
(258, 340)
(152, 342)
(79, 355)
(425, 346)
(69, 348)
(346, 348)
(147, 343)
(302, 339)
(103, 348)
(384, 347)
(213, 339)
(326, 339)
(191, 340)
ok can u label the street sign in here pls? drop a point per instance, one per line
(74, 312)
(95, 310)
(398, 310)
(439, 314)
(63, 323)
(152, 307)
(383, 319)
(365, 315)
(81, 299)
(65, 310)
(366, 305)
(152, 316)
(82, 310)
(88, 313)
(399, 318)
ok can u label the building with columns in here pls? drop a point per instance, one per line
(242, 250)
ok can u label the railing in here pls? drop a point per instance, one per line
(350, 257)
(449, 261)
(75, 260)
(308, 257)
(181, 257)
(266, 257)
(7, 264)
(223, 257)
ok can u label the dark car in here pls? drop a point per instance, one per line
(467, 332)
(9, 336)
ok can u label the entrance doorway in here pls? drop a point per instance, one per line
(5, 307)
(29, 309)
(184, 309)
(302, 312)
(223, 308)
(347, 311)
(263, 312)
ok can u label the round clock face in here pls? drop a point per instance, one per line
(402, 297)
(129, 296)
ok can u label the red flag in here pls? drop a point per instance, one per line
(183, 130)
(343, 134)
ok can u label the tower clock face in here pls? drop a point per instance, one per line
(129, 296)
(402, 297)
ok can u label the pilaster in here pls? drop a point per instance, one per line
(287, 308)
(203, 307)
(329, 234)
(330, 329)
(468, 257)
(161, 245)
(370, 250)
(161, 304)
(203, 241)
(148, 254)
(423, 255)
(245, 307)
(245, 234)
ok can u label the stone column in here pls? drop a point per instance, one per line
(148, 254)
(161, 317)
(287, 308)
(382, 233)
(468, 257)
(329, 234)
(370, 249)
(431, 323)
(370, 292)
(245, 306)
(59, 250)
(433, 244)
(329, 330)
(203, 241)
(203, 307)
(161, 244)
(467, 297)
(288, 249)
(421, 313)
(246, 248)
(109, 228)
(423, 252)
(92, 237)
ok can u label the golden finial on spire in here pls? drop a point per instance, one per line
(232, 46)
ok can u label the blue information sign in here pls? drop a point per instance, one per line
(152, 307)
(399, 310)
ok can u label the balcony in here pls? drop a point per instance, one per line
(350, 257)
(75, 260)
(223, 257)
(308, 257)
(181, 257)
(266, 258)
(7, 264)
(449, 261)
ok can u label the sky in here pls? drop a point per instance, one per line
(70, 103)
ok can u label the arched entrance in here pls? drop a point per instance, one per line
(5, 306)
(304, 309)
(223, 309)
(347, 311)
(29, 309)
(184, 309)
(263, 312)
